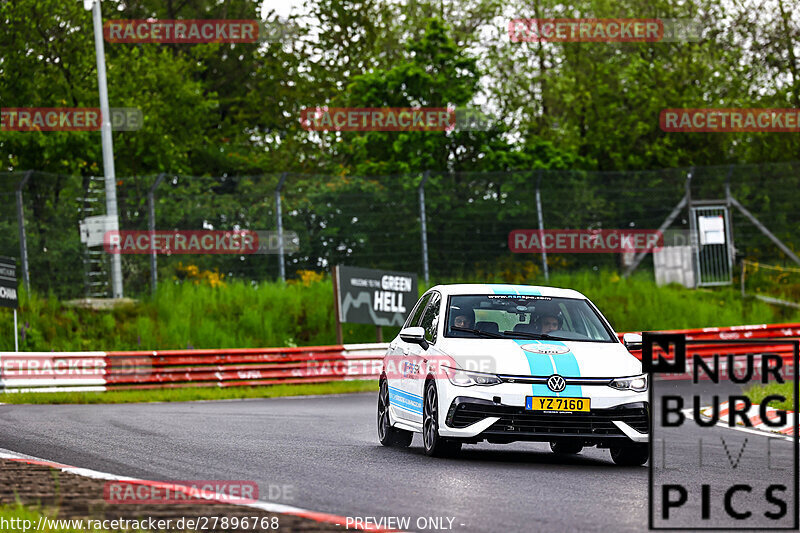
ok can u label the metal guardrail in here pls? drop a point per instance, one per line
(245, 367)
(100, 371)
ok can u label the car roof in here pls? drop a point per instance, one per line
(500, 288)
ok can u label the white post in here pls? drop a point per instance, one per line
(108, 147)
(279, 224)
(16, 332)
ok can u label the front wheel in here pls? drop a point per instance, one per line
(630, 455)
(435, 445)
(388, 435)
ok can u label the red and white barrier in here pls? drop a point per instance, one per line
(99, 371)
(753, 415)
(238, 367)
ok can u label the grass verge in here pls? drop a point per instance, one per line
(757, 393)
(188, 394)
(240, 315)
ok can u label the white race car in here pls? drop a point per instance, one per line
(506, 363)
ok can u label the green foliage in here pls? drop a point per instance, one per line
(757, 393)
(272, 314)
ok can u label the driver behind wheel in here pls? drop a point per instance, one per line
(548, 323)
(462, 318)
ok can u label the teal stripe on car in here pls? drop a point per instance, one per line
(517, 290)
(542, 365)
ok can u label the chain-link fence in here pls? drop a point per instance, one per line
(376, 221)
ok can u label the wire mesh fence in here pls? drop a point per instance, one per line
(375, 221)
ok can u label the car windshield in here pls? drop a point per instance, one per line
(525, 317)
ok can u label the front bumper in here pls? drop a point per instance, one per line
(602, 427)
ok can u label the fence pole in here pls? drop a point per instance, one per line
(541, 225)
(108, 148)
(151, 225)
(694, 242)
(279, 220)
(423, 225)
(23, 239)
(729, 207)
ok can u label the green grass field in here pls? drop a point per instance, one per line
(276, 314)
(190, 394)
(757, 393)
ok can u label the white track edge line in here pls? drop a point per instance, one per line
(95, 474)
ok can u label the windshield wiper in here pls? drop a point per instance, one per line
(478, 332)
(527, 335)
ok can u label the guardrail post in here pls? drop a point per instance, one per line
(541, 225)
(693, 240)
(423, 225)
(279, 223)
(151, 225)
(23, 240)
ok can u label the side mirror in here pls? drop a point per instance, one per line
(415, 335)
(632, 341)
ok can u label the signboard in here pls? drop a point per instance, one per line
(8, 282)
(93, 229)
(712, 229)
(378, 297)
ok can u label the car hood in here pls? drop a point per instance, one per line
(524, 357)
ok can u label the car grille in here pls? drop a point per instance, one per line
(519, 421)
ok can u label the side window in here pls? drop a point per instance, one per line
(430, 320)
(413, 318)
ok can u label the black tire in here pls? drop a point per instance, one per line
(434, 445)
(630, 455)
(388, 435)
(563, 447)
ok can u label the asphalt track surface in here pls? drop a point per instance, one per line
(322, 454)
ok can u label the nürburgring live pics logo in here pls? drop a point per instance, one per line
(748, 491)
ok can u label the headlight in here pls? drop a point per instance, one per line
(634, 383)
(463, 378)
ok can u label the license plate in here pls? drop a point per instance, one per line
(557, 405)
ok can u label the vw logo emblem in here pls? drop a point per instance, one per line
(556, 383)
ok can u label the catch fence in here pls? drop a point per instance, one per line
(445, 225)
